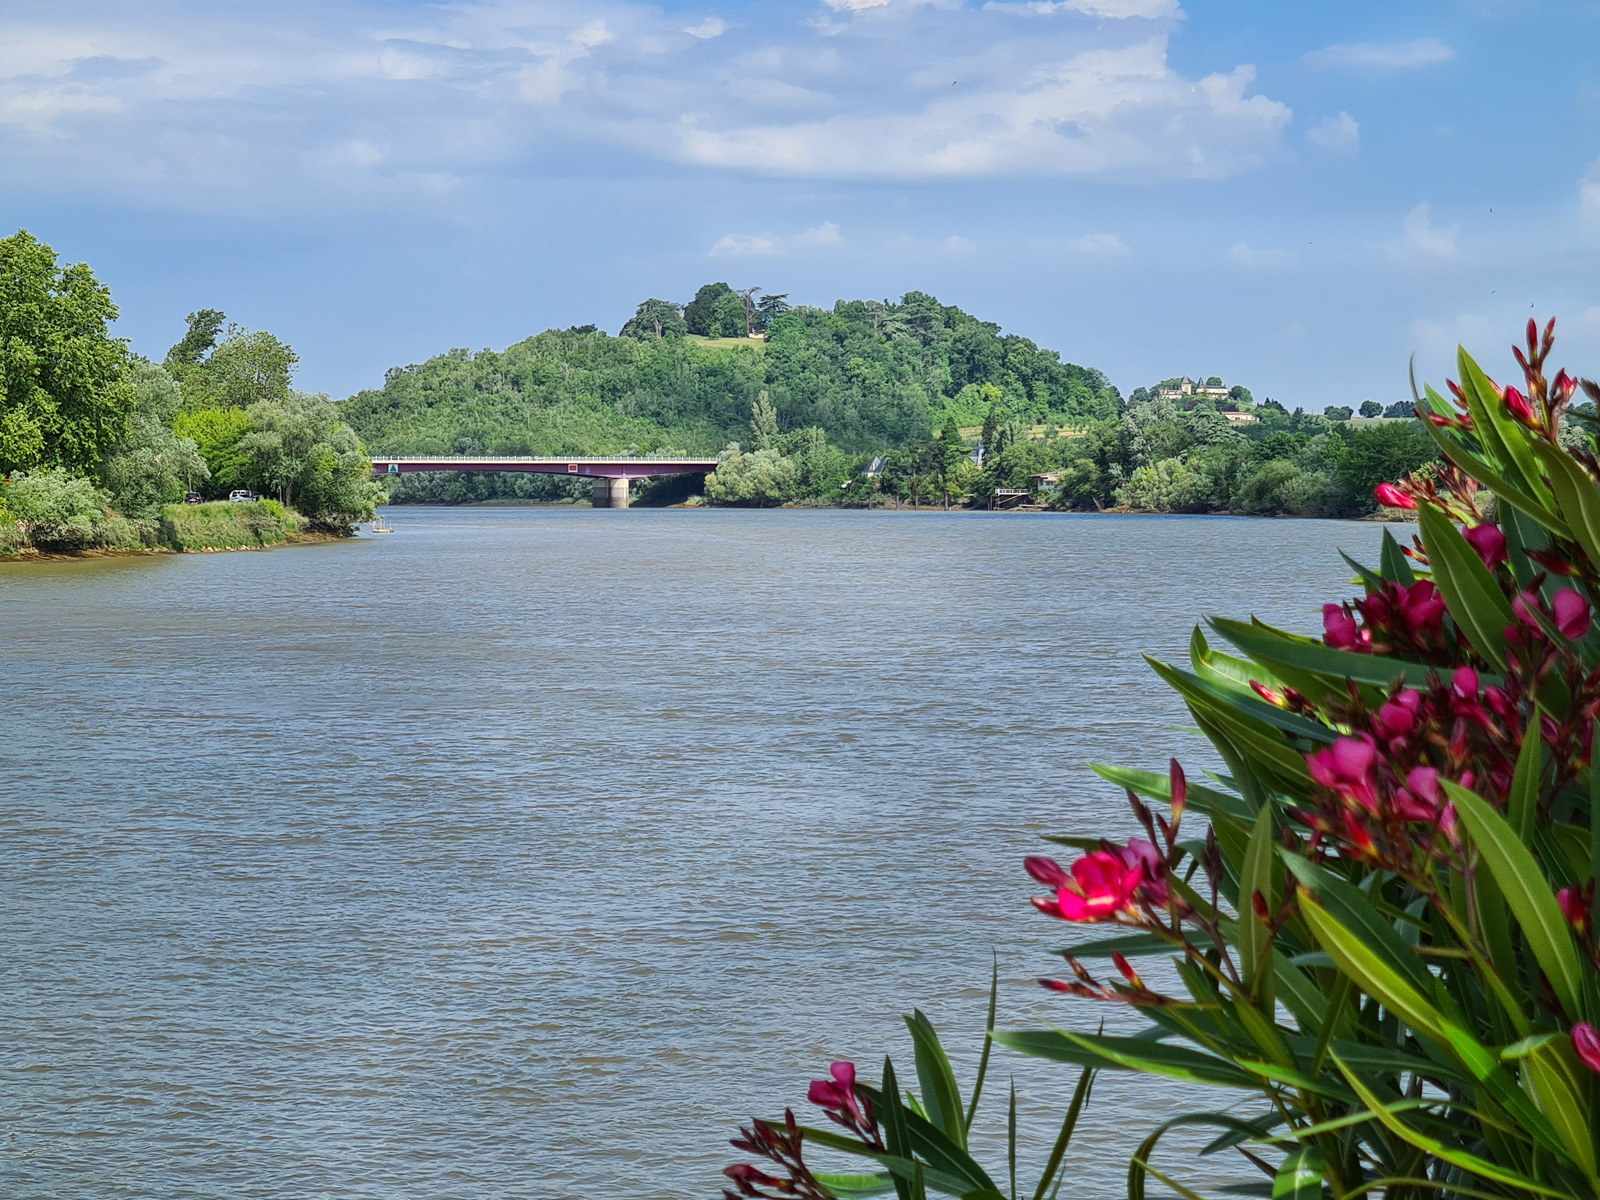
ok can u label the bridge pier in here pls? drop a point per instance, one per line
(610, 493)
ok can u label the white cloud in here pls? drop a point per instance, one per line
(1590, 320)
(1105, 244)
(822, 236)
(956, 244)
(748, 245)
(744, 245)
(1589, 196)
(709, 28)
(1118, 112)
(1242, 254)
(171, 104)
(1423, 52)
(1422, 239)
(1341, 133)
(1108, 10)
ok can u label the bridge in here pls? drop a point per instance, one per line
(611, 476)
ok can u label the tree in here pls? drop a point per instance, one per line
(1337, 412)
(1400, 408)
(1240, 394)
(656, 319)
(60, 510)
(1371, 408)
(769, 308)
(1214, 381)
(763, 422)
(216, 433)
(247, 367)
(198, 340)
(300, 450)
(951, 448)
(716, 311)
(151, 466)
(64, 392)
(760, 477)
(991, 428)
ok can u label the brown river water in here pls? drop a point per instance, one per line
(525, 852)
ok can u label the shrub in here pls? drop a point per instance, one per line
(222, 525)
(58, 510)
(1383, 935)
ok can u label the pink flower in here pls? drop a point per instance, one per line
(1399, 716)
(1392, 497)
(1465, 683)
(1571, 613)
(1102, 885)
(1587, 1043)
(1564, 387)
(1346, 768)
(1519, 406)
(839, 1093)
(1340, 629)
(1489, 542)
(1422, 608)
(1576, 905)
(1142, 854)
(1424, 782)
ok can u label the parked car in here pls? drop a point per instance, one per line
(243, 496)
(193, 498)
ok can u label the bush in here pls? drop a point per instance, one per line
(1383, 935)
(58, 510)
(1169, 486)
(222, 525)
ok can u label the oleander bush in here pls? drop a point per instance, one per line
(1381, 914)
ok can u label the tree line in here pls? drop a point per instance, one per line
(96, 442)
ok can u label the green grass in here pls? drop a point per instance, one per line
(222, 525)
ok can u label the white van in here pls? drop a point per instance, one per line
(243, 496)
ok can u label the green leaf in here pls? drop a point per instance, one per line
(1300, 1176)
(1158, 786)
(1575, 493)
(988, 1042)
(896, 1135)
(1523, 805)
(1128, 1054)
(1501, 435)
(937, 1079)
(1450, 1154)
(1335, 666)
(924, 1141)
(1475, 600)
(1131, 945)
(1561, 1088)
(1355, 911)
(1254, 933)
(1395, 565)
(1523, 885)
(1080, 1095)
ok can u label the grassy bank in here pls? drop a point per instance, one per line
(181, 527)
(221, 525)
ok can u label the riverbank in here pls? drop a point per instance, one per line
(181, 529)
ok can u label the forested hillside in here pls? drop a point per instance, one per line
(872, 376)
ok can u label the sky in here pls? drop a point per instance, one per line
(1294, 197)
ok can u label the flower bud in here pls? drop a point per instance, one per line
(1519, 406)
(1586, 1041)
(1571, 612)
(1489, 542)
(1392, 497)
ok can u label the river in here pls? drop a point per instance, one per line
(525, 852)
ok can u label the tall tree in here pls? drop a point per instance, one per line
(64, 391)
(763, 422)
(991, 429)
(656, 319)
(704, 314)
(198, 340)
(769, 308)
(951, 448)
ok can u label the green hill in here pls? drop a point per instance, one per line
(872, 375)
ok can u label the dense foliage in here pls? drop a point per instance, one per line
(96, 444)
(64, 397)
(1383, 938)
(917, 384)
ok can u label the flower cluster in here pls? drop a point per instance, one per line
(837, 1096)
(1398, 619)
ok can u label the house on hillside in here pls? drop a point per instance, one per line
(1187, 390)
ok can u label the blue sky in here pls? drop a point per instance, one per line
(1295, 197)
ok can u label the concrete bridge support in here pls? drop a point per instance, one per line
(610, 493)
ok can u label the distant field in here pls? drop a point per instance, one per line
(756, 343)
(1038, 433)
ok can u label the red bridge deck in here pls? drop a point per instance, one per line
(594, 468)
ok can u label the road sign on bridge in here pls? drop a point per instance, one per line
(611, 475)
